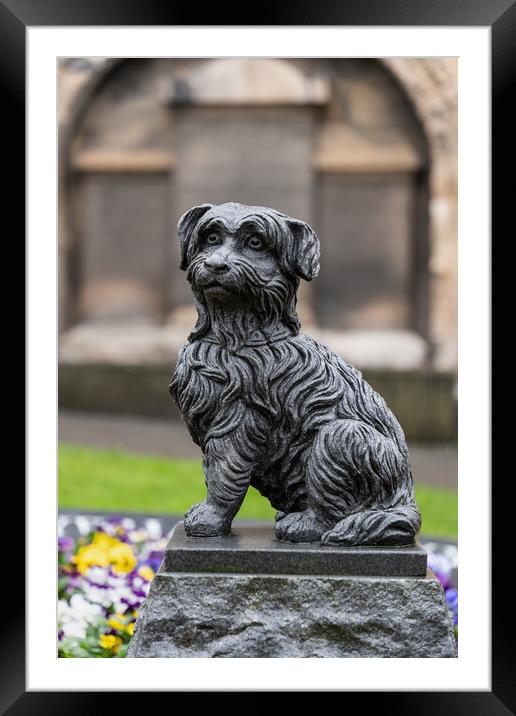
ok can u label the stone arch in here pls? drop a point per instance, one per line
(430, 87)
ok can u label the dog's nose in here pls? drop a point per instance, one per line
(217, 263)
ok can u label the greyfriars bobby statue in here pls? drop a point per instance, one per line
(271, 407)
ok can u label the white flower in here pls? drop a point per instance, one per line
(137, 535)
(62, 609)
(116, 594)
(107, 527)
(97, 595)
(439, 563)
(452, 554)
(74, 628)
(99, 575)
(62, 523)
(84, 609)
(83, 524)
(153, 527)
(72, 620)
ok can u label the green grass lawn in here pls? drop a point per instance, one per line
(111, 480)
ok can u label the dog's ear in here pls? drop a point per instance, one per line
(303, 249)
(185, 229)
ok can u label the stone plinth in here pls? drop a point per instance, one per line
(254, 549)
(247, 595)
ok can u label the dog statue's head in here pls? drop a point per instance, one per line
(248, 258)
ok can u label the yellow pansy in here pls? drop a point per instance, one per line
(120, 622)
(146, 572)
(104, 540)
(110, 641)
(103, 551)
(122, 558)
(117, 621)
(90, 556)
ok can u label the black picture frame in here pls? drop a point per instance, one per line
(500, 16)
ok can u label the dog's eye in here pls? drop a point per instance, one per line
(255, 243)
(212, 239)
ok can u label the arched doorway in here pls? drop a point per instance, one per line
(334, 142)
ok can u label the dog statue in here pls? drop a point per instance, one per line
(271, 407)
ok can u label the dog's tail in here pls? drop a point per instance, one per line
(394, 525)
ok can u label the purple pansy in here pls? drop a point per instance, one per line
(452, 600)
(65, 544)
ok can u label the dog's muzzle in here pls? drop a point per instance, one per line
(217, 264)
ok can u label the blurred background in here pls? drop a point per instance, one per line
(364, 150)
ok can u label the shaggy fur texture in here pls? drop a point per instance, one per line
(273, 408)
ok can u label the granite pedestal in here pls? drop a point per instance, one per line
(248, 595)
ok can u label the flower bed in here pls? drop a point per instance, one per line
(105, 575)
(442, 566)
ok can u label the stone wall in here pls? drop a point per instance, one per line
(431, 85)
(423, 401)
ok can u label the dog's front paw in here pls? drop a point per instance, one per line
(299, 526)
(204, 520)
